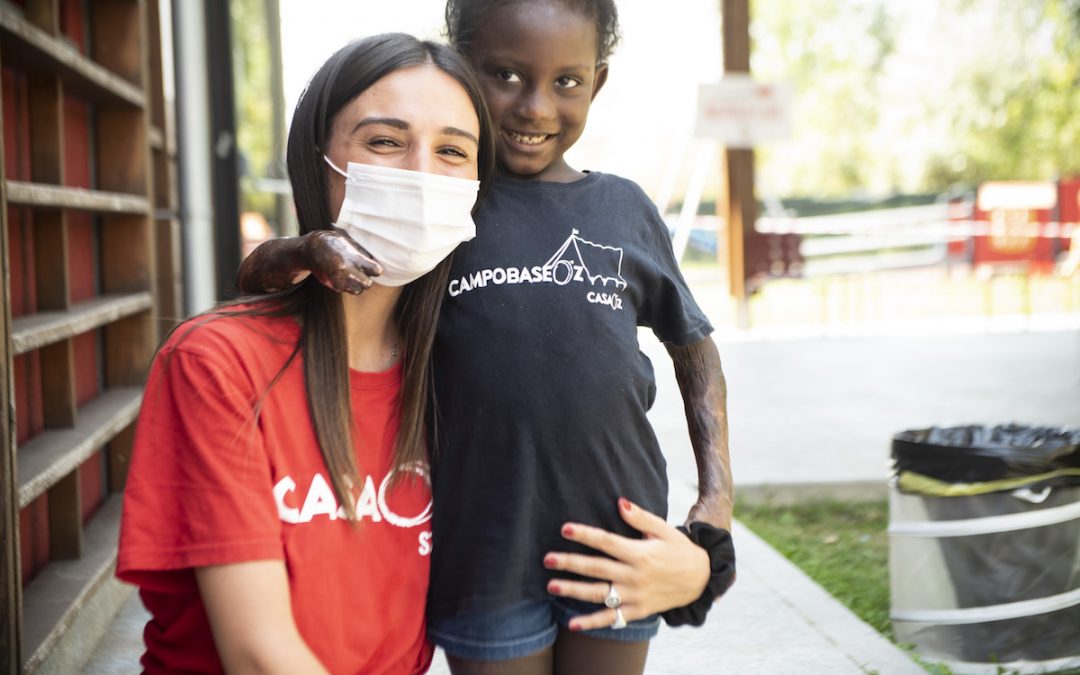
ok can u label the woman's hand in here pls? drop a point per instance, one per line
(654, 574)
(338, 262)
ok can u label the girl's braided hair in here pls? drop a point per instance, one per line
(465, 17)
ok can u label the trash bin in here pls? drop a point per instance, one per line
(984, 546)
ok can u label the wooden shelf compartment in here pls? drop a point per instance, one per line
(157, 139)
(27, 46)
(163, 142)
(41, 195)
(72, 598)
(51, 455)
(44, 328)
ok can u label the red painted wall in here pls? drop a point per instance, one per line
(34, 537)
(17, 167)
(92, 484)
(73, 22)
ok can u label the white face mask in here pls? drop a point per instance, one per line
(408, 220)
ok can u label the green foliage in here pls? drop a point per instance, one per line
(834, 53)
(252, 64)
(1018, 119)
(910, 97)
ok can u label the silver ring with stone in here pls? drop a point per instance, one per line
(620, 620)
(613, 599)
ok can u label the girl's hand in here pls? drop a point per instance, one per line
(662, 571)
(338, 262)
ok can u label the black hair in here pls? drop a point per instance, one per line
(465, 17)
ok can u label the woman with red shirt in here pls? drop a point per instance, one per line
(277, 509)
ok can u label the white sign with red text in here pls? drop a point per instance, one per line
(740, 113)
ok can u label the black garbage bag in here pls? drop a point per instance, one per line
(981, 454)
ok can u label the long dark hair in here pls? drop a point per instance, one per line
(322, 344)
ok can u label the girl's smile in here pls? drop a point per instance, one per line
(530, 139)
(538, 69)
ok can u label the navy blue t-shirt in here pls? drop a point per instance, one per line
(540, 385)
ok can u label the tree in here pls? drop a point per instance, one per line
(252, 65)
(834, 52)
(921, 95)
(1019, 119)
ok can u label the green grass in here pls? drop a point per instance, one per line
(843, 547)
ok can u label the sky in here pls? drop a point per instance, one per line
(641, 124)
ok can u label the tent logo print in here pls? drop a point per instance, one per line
(579, 260)
(577, 256)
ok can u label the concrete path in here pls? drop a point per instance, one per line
(823, 410)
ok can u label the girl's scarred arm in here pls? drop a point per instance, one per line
(664, 570)
(704, 392)
(338, 262)
(251, 618)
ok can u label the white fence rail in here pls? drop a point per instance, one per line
(867, 241)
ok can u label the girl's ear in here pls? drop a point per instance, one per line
(599, 80)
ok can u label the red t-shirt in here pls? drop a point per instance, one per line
(211, 484)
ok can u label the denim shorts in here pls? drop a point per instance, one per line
(524, 628)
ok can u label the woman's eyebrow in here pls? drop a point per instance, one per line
(454, 131)
(404, 126)
(387, 121)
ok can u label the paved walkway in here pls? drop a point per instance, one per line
(811, 417)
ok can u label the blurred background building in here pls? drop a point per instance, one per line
(930, 180)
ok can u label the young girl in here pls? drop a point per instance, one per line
(540, 385)
(276, 513)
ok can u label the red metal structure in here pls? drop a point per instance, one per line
(1024, 224)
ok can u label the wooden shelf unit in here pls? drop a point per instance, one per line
(28, 46)
(87, 194)
(45, 197)
(52, 455)
(45, 328)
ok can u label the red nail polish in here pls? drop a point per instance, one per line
(568, 530)
(575, 626)
(553, 588)
(550, 562)
(625, 504)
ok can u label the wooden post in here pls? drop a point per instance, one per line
(10, 579)
(65, 518)
(225, 159)
(168, 265)
(737, 207)
(45, 14)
